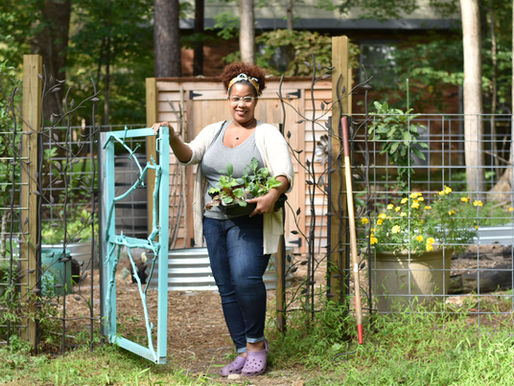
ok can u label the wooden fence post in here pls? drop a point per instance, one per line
(30, 238)
(151, 151)
(342, 104)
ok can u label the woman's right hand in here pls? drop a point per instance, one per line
(156, 126)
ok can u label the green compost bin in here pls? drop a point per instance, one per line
(56, 272)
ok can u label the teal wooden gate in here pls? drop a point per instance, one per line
(112, 242)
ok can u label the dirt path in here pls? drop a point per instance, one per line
(198, 340)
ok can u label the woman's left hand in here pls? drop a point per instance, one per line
(266, 202)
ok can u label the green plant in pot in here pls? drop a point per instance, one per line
(414, 238)
(78, 240)
(231, 191)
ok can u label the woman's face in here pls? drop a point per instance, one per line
(242, 101)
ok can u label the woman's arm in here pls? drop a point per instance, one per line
(182, 151)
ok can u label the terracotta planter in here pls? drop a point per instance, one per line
(400, 279)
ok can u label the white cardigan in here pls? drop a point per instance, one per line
(274, 151)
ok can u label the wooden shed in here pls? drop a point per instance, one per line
(192, 103)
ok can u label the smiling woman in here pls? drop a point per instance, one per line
(239, 240)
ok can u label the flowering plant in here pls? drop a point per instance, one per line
(418, 225)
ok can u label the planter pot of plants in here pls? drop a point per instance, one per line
(399, 279)
(56, 272)
(81, 256)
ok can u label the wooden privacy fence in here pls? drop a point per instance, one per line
(192, 103)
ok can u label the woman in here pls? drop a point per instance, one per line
(239, 241)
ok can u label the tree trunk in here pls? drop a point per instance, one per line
(198, 49)
(167, 38)
(51, 42)
(247, 32)
(473, 126)
(107, 80)
(503, 190)
(494, 83)
(289, 11)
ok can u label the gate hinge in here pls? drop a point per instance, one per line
(193, 94)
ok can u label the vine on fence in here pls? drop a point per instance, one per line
(317, 181)
(55, 173)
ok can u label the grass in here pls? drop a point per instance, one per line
(106, 365)
(407, 348)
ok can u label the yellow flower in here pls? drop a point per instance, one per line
(382, 216)
(451, 212)
(428, 207)
(413, 195)
(420, 198)
(395, 229)
(364, 220)
(380, 221)
(373, 240)
(476, 226)
(415, 205)
(465, 199)
(441, 193)
(419, 238)
(403, 214)
(372, 230)
(404, 200)
(477, 203)
(397, 209)
(511, 209)
(428, 246)
(390, 206)
(447, 189)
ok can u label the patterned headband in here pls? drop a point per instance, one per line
(245, 78)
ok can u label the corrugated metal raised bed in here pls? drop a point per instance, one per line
(189, 270)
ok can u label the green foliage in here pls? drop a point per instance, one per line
(17, 28)
(226, 25)
(373, 9)
(78, 224)
(255, 182)
(394, 131)
(290, 52)
(118, 34)
(8, 145)
(312, 342)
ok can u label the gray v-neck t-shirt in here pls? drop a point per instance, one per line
(214, 164)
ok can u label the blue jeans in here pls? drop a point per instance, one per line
(237, 263)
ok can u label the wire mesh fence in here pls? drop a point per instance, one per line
(427, 234)
(10, 232)
(428, 238)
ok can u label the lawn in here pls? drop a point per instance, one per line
(407, 348)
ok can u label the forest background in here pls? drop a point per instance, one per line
(117, 44)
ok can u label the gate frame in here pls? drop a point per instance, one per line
(109, 240)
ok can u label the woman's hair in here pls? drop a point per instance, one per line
(234, 69)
